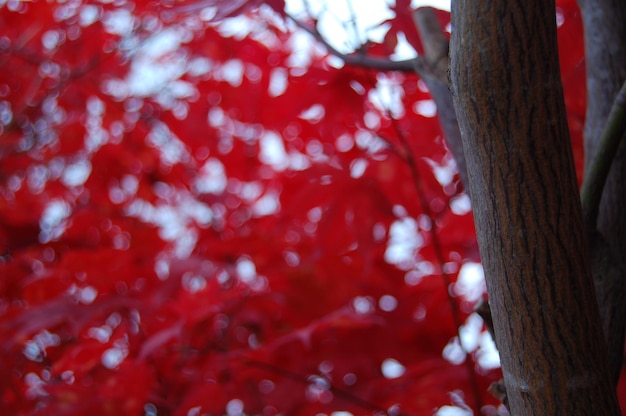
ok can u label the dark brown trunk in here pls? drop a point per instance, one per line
(508, 99)
(605, 54)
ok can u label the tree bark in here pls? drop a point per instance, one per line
(605, 54)
(509, 103)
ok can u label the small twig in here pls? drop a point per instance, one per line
(355, 27)
(437, 248)
(299, 378)
(598, 170)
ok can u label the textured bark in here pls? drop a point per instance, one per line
(508, 99)
(605, 53)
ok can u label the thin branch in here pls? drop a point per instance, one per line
(437, 248)
(436, 45)
(434, 41)
(360, 59)
(598, 170)
(306, 380)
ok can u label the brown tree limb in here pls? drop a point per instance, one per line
(605, 58)
(359, 58)
(600, 164)
(435, 75)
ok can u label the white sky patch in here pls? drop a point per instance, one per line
(404, 240)
(470, 332)
(156, 69)
(35, 349)
(344, 143)
(439, 4)
(403, 49)
(118, 22)
(470, 283)
(175, 219)
(6, 114)
(171, 148)
(199, 66)
(358, 167)
(372, 120)
(272, 151)
(268, 204)
(237, 27)
(246, 270)
(392, 368)
(314, 114)
(113, 357)
(51, 39)
(387, 96)
(473, 338)
(193, 283)
(216, 117)
(426, 108)
(231, 71)
(52, 221)
(96, 135)
(172, 225)
(87, 294)
(197, 211)
(367, 141)
(89, 14)
(249, 191)
(443, 173)
(453, 411)
(298, 161)
(234, 408)
(454, 352)
(487, 355)
(333, 15)
(166, 41)
(419, 270)
(377, 33)
(211, 178)
(303, 49)
(278, 82)
(363, 305)
(130, 184)
(77, 173)
(460, 205)
(387, 303)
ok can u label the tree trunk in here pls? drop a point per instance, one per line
(508, 98)
(605, 54)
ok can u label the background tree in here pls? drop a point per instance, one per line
(204, 211)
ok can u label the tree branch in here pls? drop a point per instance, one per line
(608, 273)
(598, 170)
(361, 59)
(435, 75)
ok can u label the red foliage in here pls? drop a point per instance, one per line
(193, 221)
